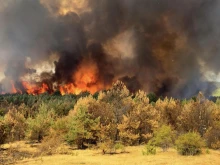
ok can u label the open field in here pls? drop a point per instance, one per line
(94, 157)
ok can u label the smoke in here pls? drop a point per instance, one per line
(75, 45)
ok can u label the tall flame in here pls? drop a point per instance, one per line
(13, 89)
(86, 78)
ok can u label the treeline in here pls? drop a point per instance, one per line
(110, 119)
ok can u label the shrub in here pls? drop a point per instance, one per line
(15, 124)
(163, 137)
(207, 151)
(106, 146)
(150, 149)
(189, 144)
(50, 145)
(110, 147)
(119, 146)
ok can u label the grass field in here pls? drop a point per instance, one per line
(94, 157)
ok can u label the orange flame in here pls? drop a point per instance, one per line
(34, 89)
(13, 89)
(86, 78)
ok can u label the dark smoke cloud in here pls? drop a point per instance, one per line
(160, 46)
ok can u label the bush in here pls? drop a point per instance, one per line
(110, 147)
(150, 149)
(107, 146)
(15, 124)
(189, 144)
(163, 137)
(119, 146)
(50, 145)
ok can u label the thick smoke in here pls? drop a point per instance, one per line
(162, 46)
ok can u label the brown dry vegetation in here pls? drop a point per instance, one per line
(133, 156)
(108, 123)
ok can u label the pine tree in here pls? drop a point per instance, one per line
(138, 124)
(83, 126)
(119, 99)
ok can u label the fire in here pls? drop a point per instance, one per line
(86, 78)
(34, 89)
(13, 89)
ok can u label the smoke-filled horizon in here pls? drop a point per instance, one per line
(161, 46)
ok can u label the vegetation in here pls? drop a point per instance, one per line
(163, 137)
(150, 149)
(189, 144)
(111, 121)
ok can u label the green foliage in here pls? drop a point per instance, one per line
(152, 98)
(163, 137)
(60, 126)
(39, 126)
(61, 104)
(207, 151)
(119, 146)
(150, 149)
(83, 127)
(189, 144)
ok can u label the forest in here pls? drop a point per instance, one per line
(110, 120)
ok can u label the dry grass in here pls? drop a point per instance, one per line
(95, 157)
(12, 152)
(133, 157)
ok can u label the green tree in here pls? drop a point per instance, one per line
(39, 126)
(83, 127)
(152, 98)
